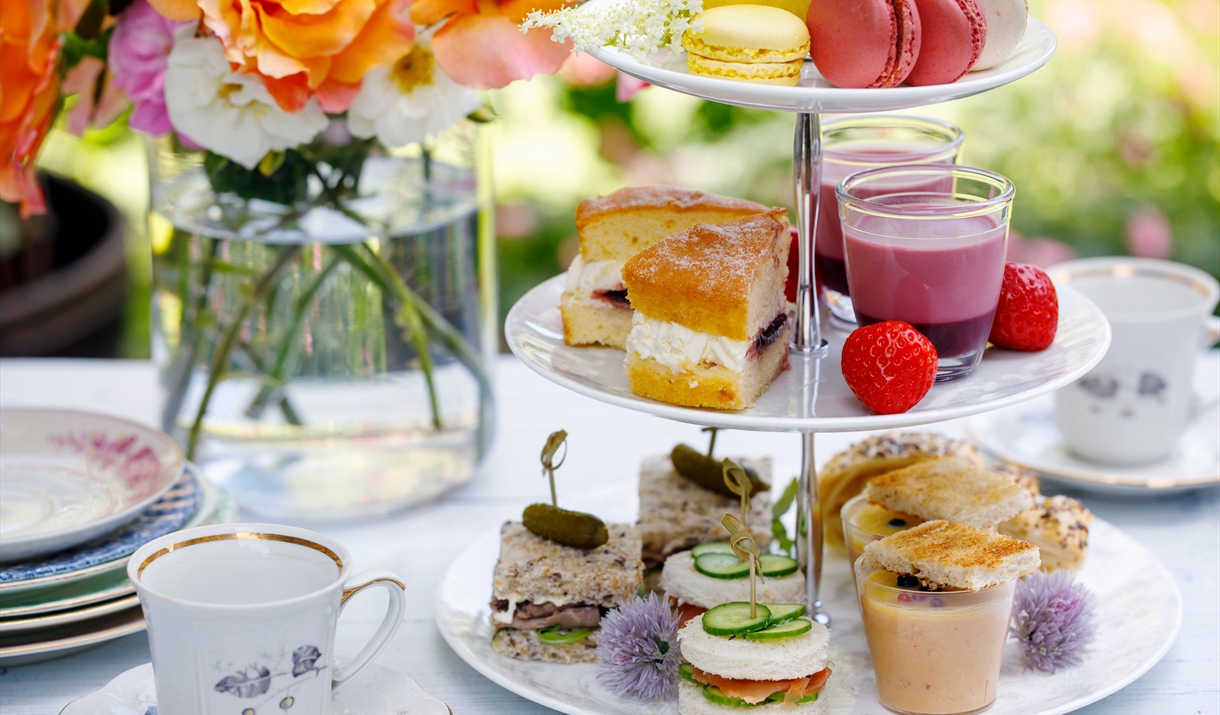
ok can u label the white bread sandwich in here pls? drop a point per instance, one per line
(845, 474)
(952, 489)
(711, 325)
(542, 585)
(780, 667)
(612, 229)
(677, 514)
(1058, 526)
(941, 554)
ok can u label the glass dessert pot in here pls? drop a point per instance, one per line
(933, 652)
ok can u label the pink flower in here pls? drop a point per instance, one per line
(138, 51)
(1149, 234)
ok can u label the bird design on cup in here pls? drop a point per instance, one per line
(256, 680)
(1149, 384)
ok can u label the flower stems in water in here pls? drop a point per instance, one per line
(220, 359)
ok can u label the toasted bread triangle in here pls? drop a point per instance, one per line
(954, 555)
(719, 279)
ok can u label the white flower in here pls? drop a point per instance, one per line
(230, 114)
(409, 101)
(641, 27)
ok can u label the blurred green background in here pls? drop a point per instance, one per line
(1114, 148)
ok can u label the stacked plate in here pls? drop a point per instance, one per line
(79, 494)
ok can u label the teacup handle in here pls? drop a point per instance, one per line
(1211, 335)
(389, 626)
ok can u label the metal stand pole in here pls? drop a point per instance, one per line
(808, 345)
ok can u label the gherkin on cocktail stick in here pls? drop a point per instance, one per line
(707, 472)
(570, 528)
(743, 545)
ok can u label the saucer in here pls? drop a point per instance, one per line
(73, 476)
(1026, 435)
(375, 691)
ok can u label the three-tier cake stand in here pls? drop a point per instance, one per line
(812, 397)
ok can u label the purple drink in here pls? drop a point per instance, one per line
(934, 259)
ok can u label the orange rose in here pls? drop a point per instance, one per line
(304, 48)
(29, 92)
(481, 44)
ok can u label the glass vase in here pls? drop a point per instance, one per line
(324, 324)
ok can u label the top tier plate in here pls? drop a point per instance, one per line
(812, 394)
(815, 94)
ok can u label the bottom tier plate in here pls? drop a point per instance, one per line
(1140, 612)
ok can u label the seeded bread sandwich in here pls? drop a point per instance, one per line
(1059, 526)
(540, 585)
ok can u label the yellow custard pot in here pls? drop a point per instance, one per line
(864, 522)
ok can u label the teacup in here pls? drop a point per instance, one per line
(241, 618)
(1134, 406)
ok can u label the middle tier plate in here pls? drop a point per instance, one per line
(811, 395)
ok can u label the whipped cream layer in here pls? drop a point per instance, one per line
(679, 348)
(593, 277)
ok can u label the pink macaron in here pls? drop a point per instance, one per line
(954, 33)
(864, 43)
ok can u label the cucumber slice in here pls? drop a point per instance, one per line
(779, 698)
(722, 566)
(686, 671)
(715, 547)
(730, 619)
(555, 636)
(784, 612)
(716, 695)
(775, 566)
(785, 630)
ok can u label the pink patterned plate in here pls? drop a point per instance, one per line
(72, 476)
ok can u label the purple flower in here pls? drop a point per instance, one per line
(639, 654)
(139, 47)
(1054, 620)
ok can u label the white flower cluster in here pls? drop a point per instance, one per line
(640, 27)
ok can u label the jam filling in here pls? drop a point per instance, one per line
(618, 297)
(770, 334)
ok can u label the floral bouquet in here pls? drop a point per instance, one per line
(252, 81)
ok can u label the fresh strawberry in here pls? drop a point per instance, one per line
(889, 366)
(1028, 314)
(794, 266)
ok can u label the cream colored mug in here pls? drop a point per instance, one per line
(1134, 406)
(242, 617)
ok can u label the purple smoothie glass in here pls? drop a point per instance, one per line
(926, 244)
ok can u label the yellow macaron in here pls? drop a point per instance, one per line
(748, 42)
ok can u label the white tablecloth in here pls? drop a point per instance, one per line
(607, 443)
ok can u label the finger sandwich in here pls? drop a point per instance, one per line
(687, 583)
(541, 584)
(711, 326)
(723, 674)
(612, 229)
(677, 514)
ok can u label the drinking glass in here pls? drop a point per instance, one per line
(857, 143)
(925, 244)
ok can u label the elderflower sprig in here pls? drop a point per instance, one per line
(641, 27)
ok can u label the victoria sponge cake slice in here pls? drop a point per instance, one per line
(710, 328)
(613, 228)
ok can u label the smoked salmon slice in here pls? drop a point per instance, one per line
(756, 691)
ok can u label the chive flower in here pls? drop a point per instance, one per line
(638, 653)
(1054, 620)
